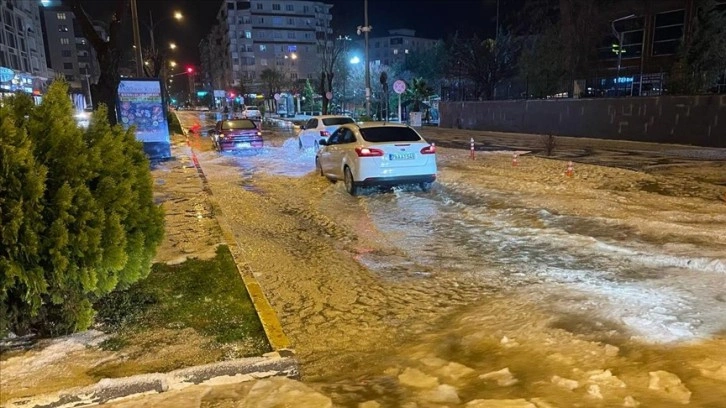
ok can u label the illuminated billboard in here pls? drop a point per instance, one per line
(140, 104)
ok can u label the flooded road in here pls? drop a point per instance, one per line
(500, 283)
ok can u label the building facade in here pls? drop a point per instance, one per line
(393, 49)
(252, 36)
(22, 55)
(651, 33)
(68, 52)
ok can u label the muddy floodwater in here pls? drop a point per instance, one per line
(606, 288)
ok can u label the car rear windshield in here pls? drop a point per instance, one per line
(389, 134)
(238, 124)
(336, 121)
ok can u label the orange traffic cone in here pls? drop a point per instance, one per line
(570, 170)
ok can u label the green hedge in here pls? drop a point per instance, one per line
(77, 214)
(174, 124)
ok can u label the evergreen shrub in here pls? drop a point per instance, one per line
(77, 214)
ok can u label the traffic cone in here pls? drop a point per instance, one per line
(570, 170)
(515, 160)
(472, 149)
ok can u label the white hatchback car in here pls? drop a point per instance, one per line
(251, 112)
(320, 127)
(377, 154)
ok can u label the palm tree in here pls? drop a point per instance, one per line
(419, 92)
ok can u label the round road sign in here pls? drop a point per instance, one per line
(399, 87)
(329, 95)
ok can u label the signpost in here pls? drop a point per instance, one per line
(399, 87)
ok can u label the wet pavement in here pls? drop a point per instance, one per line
(409, 299)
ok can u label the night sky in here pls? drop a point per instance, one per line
(430, 18)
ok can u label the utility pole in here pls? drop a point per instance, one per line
(137, 39)
(496, 35)
(366, 29)
(151, 34)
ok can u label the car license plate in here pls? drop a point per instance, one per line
(244, 144)
(401, 156)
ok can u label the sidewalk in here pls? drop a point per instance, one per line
(257, 381)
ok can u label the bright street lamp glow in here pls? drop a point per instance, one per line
(354, 60)
(293, 56)
(172, 46)
(178, 15)
(172, 64)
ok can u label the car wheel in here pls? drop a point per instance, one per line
(426, 186)
(350, 185)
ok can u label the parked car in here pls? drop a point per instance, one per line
(377, 154)
(251, 112)
(320, 127)
(236, 134)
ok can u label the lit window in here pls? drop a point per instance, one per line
(395, 51)
(405, 51)
(248, 34)
(61, 16)
(64, 41)
(263, 47)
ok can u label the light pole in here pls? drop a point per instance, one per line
(151, 26)
(366, 29)
(619, 36)
(137, 39)
(190, 74)
(354, 61)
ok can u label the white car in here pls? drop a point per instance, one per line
(251, 112)
(320, 127)
(377, 154)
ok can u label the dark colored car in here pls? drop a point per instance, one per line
(236, 134)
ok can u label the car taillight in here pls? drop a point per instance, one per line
(429, 149)
(368, 152)
(324, 133)
(259, 133)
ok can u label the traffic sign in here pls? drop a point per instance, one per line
(329, 95)
(399, 87)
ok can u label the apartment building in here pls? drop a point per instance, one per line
(254, 35)
(394, 48)
(22, 55)
(67, 51)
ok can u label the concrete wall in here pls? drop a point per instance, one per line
(691, 120)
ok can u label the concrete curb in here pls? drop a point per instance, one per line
(267, 315)
(107, 390)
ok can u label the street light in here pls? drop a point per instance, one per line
(172, 46)
(151, 26)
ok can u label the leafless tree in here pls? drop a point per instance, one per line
(330, 49)
(108, 53)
